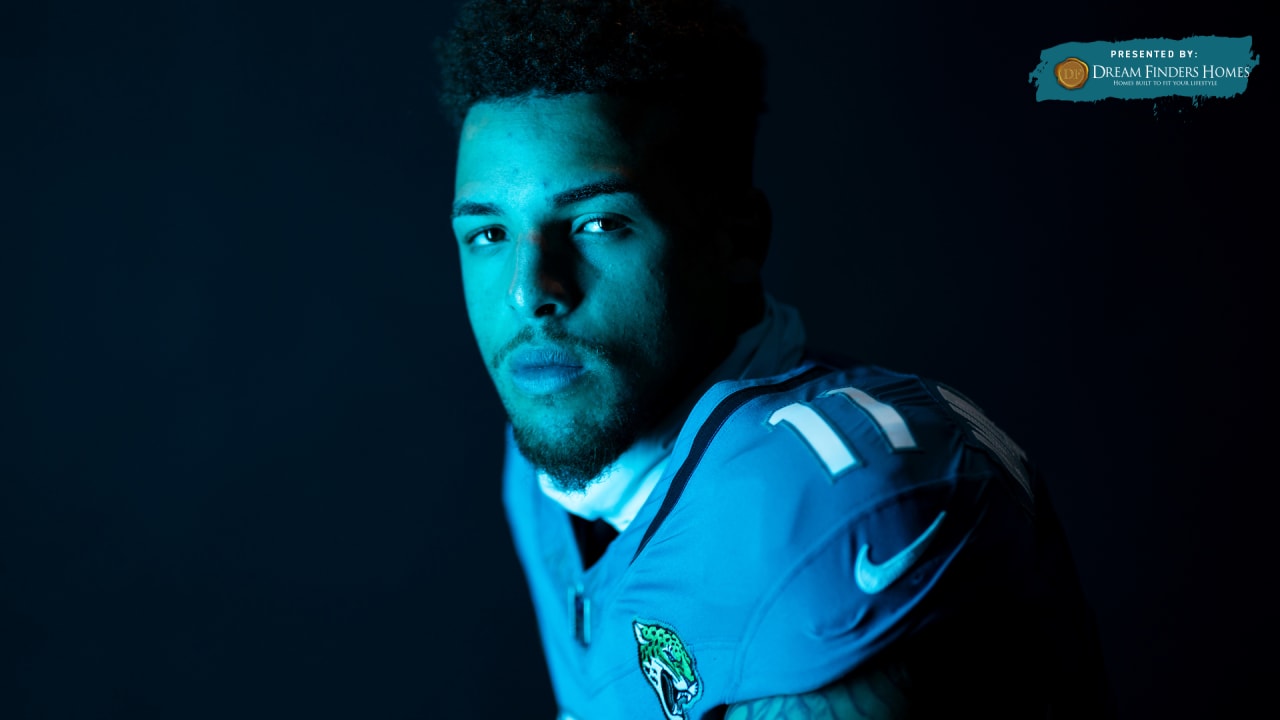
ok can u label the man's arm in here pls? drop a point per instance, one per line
(880, 693)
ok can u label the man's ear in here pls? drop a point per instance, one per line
(745, 232)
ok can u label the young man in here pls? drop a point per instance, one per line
(713, 522)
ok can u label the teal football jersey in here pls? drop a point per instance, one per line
(803, 524)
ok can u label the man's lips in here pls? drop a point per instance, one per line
(544, 369)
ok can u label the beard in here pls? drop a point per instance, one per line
(577, 454)
(575, 437)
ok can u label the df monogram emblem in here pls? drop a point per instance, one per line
(1071, 73)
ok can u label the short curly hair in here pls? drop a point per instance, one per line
(695, 55)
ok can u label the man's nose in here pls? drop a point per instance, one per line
(542, 283)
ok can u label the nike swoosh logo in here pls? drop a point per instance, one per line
(873, 578)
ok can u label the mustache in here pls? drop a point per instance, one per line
(547, 335)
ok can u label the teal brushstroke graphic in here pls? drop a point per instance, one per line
(1196, 67)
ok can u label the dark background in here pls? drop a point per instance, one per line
(249, 458)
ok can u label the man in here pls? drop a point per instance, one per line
(713, 522)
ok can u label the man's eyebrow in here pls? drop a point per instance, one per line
(590, 190)
(559, 200)
(466, 207)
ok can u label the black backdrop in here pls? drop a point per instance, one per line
(250, 459)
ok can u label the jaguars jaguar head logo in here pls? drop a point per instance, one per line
(669, 667)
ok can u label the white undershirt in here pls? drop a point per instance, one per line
(773, 346)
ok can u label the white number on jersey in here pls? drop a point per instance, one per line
(825, 441)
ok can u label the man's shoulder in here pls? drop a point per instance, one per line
(771, 469)
(826, 423)
(777, 467)
(870, 431)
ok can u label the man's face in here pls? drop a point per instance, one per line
(592, 300)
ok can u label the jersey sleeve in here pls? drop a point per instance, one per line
(869, 583)
(921, 525)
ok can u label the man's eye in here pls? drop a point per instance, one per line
(599, 225)
(487, 236)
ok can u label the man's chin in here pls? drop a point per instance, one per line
(573, 454)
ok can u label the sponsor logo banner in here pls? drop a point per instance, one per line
(1195, 67)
